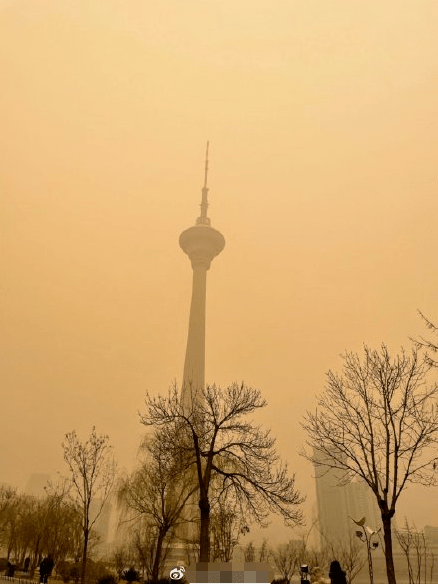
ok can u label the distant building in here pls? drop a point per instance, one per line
(102, 524)
(334, 523)
(361, 502)
(431, 536)
(338, 504)
(121, 523)
(36, 484)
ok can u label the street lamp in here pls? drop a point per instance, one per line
(304, 574)
(366, 534)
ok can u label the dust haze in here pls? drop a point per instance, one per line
(321, 118)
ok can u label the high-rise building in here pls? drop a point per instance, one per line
(332, 504)
(361, 502)
(339, 503)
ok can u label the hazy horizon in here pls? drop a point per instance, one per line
(321, 119)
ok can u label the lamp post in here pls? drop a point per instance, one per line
(304, 574)
(366, 534)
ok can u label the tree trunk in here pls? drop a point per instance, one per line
(204, 538)
(84, 555)
(387, 535)
(35, 558)
(22, 556)
(157, 559)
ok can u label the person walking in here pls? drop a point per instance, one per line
(49, 567)
(336, 574)
(43, 569)
(46, 568)
(10, 570)
(26, 564)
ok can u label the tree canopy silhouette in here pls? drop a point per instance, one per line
(218, 442)
(378, 420)
(92, 474)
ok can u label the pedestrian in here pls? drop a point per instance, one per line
(43, 570)
(49, 567)
(10, 570)
(337, 575)
(26, 564)
(46, 568)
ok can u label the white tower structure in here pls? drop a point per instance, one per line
(201, 243)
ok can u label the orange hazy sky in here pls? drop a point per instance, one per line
(322, 121)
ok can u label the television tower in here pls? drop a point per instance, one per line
(201, 243)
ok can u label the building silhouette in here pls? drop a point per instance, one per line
(37, 483)
(361, 502)
(431, 537)
(331, 500)
(339, 503)
(102, 512)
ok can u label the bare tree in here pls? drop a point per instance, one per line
(31, 526)
(287, 558)
(420, 559)
(120, 558)
(92, 474)
(350, 554)
(62, 521)
(226, 526)
(216, 441)
(30, 529)
(124, 555)
(311, 555)
(379, 421)
(11, 517)
(249, 552)
(264, 551)
(144, 544)
(150, 491)
(431, 347)
(8, 515)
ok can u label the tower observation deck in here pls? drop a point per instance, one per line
(201, 243)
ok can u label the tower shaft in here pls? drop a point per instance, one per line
(194, 364)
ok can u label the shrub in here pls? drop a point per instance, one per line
(75, 573)
(107, 579)
(64, 569)
(96, 570)
(131, 575)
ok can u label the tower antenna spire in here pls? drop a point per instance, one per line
(206, 166)
(203, 219)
